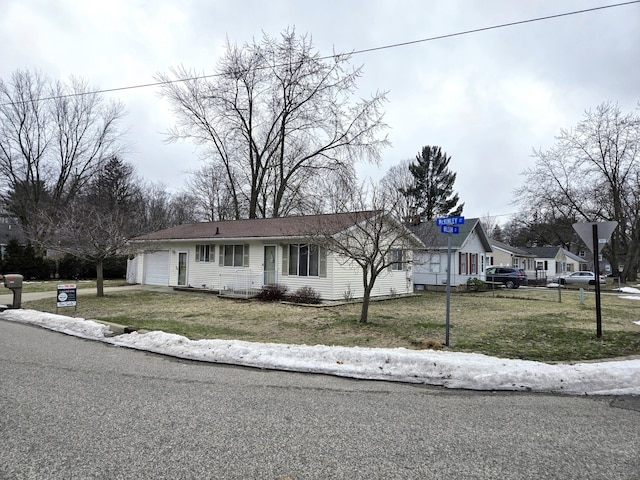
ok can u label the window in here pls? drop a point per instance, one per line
(397, 259)
(434, 263)
(203, 253)
(306, 260)
(234, 255)
(462, 263)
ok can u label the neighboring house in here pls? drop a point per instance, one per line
(9, 229)
(506, 255)
(553, 261)
(469, 251)
(239, 257)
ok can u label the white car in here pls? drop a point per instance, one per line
(580, 278)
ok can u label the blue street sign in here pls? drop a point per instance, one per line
(449, 229)
(449, 221)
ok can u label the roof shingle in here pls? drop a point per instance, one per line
(299, 226)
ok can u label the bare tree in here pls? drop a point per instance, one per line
(212, 193)
(53, 138)
(492, 227)
(592, 174)
(101, 219)
(274, 119)
(397, 180)
(377, 242)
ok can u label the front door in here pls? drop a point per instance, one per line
(269, 265)
(182, 268)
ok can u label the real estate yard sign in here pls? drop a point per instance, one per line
(67, 296)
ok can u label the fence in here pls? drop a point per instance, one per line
(240, 284)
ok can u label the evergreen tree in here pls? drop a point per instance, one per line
(431, 193)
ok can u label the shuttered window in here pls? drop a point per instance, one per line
(204, 253)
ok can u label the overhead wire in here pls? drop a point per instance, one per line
(354, 52)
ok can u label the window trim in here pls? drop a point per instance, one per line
(205, 253)
(315, 260)
(242, 255)
(397, 259)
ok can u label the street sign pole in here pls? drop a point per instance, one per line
(596, 268)
(449, 226)
(595, 240)
(446, 338)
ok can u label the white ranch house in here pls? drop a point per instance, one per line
(553, 261)
(469, 254)
(239, 257)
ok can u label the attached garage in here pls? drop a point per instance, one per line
(156, 268)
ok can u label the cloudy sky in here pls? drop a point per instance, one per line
(486, 98)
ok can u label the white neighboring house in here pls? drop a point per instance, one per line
(469, 250)
(554, 261)
(239, 257)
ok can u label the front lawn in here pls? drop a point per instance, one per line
(527, 323)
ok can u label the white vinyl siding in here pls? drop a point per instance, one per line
(156, 268)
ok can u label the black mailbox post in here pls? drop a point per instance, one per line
(13, 282)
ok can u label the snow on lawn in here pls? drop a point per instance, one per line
(448, 369)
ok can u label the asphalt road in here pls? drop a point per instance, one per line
(76, 409)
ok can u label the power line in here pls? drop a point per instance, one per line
(356, 52)
(494, 27)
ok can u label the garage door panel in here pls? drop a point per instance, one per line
(156, 271)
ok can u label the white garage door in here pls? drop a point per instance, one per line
(156, 268)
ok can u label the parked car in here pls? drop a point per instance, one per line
(580, 278)
(510, 277)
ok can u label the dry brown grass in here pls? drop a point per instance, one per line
(524, 323)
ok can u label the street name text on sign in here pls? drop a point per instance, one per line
(449, 221)
(450, 229)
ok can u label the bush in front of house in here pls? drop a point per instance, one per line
(305, 295)
(475, 285)
(272, 293)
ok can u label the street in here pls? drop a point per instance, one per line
(77, 409)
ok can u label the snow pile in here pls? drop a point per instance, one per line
(448, 369)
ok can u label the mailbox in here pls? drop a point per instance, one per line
(13, 282)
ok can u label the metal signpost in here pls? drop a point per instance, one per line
(449, 226)
(595, 235)
(562, 259)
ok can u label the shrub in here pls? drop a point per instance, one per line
(24, 259)
(72, 267)
(348, 294)
(272, 293)
(475, 284)
(305, 295)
